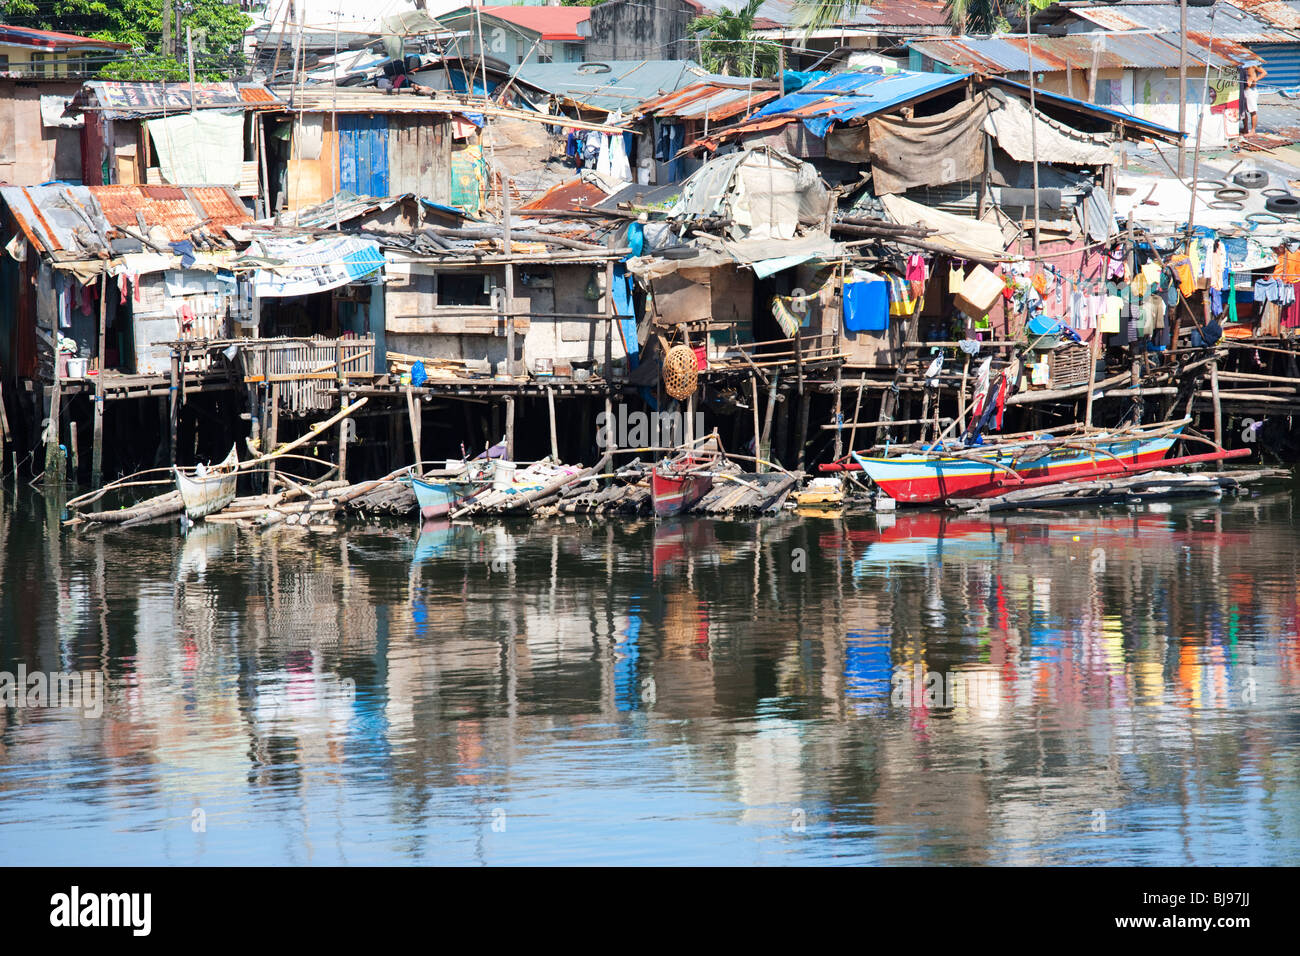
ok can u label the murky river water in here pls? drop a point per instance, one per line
(1113, 687)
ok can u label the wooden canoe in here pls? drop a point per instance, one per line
(209, 491)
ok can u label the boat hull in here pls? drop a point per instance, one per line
(673, 494)
(437, 499)
(210, 493)
(918, 480)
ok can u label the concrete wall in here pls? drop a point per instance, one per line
(649, 30)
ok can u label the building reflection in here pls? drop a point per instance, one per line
(945, 688)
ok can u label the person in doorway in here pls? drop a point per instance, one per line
(1253, 75)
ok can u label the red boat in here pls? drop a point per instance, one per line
(680, 482)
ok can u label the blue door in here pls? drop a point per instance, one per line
(363, 154)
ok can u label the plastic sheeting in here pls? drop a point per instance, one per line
(962, 236)
(297, 268)
(926, 151)
(202, 148)
(765, 193)
(1010, 122)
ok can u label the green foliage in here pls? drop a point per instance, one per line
(218, 29)
(728, 46)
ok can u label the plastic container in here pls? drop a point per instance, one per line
(980, 291)
(504, 476)
(76, 368)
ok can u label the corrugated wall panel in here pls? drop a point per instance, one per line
(363, 154)
(1282, 60)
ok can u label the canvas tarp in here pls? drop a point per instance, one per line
(204, 148)
(926, 151)
(765, 193)
(961, 236)
(1009, 121)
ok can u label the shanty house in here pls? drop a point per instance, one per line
(1136, 73)
(40, 72)
(1269, 29)
(170, 133)
(518, 34)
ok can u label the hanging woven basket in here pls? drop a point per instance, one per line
(681, 372)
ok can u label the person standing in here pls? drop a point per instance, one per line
(1253, 75)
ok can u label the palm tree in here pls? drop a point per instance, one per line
(728, 45)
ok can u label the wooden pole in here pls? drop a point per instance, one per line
(53, 457)
(839, 410)
(1092, 380)
(805, 404)
(555, 438)
(765, 443)
(97, 446)
(611, 436)
(510, 429)
(75, 460)
(272, 427)
(413, 415)
(1218, 408)
(343, 453)
(961, 397)
(175, 402)
(609, 317)
(753, 401)
(508, 249)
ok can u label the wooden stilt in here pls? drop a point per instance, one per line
(272, 428)
(1092, 381)
(839, 410)
(611, 434)
(175, 410)
(765, 443)
(510, 429)
(97, 446)
(413, 417)
(343, 452)
(1218, 408)
(805, 405)
(555, 438)
(753, 400)
(74, 458)
(53, 456)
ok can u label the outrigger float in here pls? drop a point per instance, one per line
(948, 471)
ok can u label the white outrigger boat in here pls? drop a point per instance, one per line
(208, 490)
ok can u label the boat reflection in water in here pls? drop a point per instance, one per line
(918, 688)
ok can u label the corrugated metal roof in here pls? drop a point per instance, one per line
(1275, 12)
(843, 96)
(52, 40)
(121, 100)
(553, 23)
(1220, 20)
(712, 99)
(574, 196)
(78, 221)
(1079, 51)
(612, 84)
(172, 207)
(883, 13)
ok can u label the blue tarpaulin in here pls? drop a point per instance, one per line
(843, 96)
